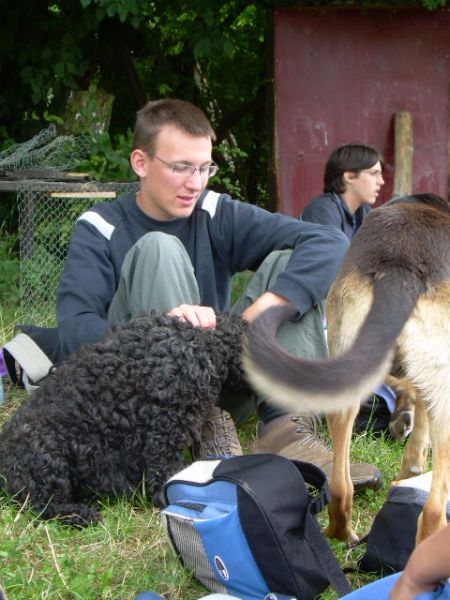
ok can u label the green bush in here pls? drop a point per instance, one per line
(109, 157)
(35, 278)
(9, 268)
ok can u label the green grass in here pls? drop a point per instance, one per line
(125, 554)
(128, 553)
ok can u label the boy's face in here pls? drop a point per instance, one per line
(365, 186)
(166, 194)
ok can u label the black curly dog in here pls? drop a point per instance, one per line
(116, 416)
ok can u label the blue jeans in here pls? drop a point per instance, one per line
(379, 590)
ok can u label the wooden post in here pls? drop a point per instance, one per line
(403, 154)
(448, 147)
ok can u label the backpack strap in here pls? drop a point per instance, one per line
(33, 362)
(317, 478)
(327, 559)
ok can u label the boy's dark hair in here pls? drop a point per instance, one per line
(348, 157)
(155, 114)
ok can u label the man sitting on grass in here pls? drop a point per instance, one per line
(174, 246)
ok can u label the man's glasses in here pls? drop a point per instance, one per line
(184, 170)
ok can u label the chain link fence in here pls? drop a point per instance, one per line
(47, 213)
(46, 150)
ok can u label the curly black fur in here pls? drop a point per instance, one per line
(117, 415)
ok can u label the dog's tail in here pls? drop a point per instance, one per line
(321, 386)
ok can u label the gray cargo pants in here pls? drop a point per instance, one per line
(157, 274)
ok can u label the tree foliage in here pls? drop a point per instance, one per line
(215, 53)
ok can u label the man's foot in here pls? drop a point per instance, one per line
(295, 437)
(218, 436)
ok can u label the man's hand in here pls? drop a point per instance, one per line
(199, 316)
(260, 304)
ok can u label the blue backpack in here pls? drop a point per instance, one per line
(246, 526)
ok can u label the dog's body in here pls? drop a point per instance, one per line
(116, 416)
(387, 311)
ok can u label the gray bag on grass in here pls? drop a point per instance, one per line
(25, 359)
(391, 539)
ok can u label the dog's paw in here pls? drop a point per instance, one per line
(159, 499)
(73, 515)
(401, 424)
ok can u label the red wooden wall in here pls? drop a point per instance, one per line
(340, 75)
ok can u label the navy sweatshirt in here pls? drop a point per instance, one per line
(222, 237)
(330, 209)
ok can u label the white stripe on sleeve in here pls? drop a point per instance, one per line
(105, 228)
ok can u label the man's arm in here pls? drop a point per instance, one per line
(249, 234)
(265, 301)
(86, 288)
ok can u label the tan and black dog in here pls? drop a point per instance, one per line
(387, 311)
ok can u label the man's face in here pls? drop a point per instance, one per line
(166, 194)
(365, 186)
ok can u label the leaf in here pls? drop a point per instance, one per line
(228, 48)
(59, 69)
(110, 10)
(202, 48)
(208, 17)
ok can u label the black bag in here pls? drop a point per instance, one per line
(393, 534)
(246, 526)
(374, 415)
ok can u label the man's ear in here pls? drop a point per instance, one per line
(348, 177)
(137, 159)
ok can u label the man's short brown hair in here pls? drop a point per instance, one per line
(348, 157)
(168, 111)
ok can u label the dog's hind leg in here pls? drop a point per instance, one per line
(51, 491)
(433, 515)
(424, 344)
(416, 450)
(344, 320)
(340, 426)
